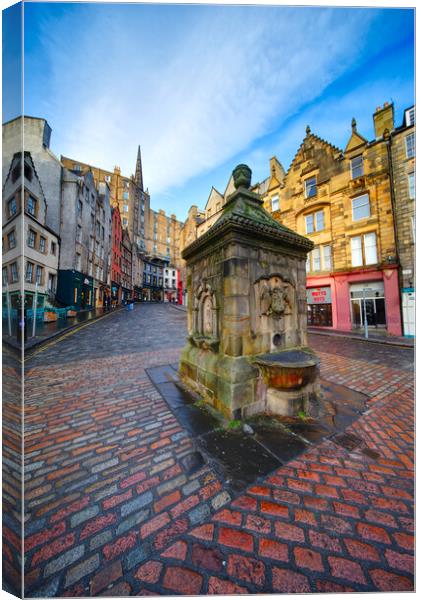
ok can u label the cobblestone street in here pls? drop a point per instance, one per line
(115, 505)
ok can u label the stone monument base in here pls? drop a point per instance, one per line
(230, 384)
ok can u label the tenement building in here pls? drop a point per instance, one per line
(116, 254)
(30, 247)
(125, 192)
(84, 274)
(402, 151)
(126, 267)
(343, 201)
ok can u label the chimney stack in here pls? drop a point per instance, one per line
(383, 119)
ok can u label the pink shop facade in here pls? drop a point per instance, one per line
(339, 301)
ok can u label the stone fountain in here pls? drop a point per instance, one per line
(246, 351)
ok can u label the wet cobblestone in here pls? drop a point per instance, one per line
(140, 521)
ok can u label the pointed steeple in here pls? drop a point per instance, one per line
(139, 175)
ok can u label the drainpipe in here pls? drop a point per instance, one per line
(395, 225)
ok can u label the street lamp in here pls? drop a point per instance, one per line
(365, 314)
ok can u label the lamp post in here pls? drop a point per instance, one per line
(9, 309)
(365, 315)
(34, 311)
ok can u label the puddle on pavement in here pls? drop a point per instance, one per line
(239, 458)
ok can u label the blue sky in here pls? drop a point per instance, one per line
(202, 88)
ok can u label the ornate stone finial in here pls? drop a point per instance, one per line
(308, 130)
(242, 176)
(354, 125)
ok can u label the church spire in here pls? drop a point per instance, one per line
(139, 175)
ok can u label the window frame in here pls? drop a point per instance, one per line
(12, 202)
(359, 207)
(9, 245)
(411, 185)
(363, 245)
(31, 232)
(356, 176)
(324, 247)
(307, 187)
(33, 204)
(38, 271)
(274, 200)
(410, 147)
(410, 116)
(29, 267)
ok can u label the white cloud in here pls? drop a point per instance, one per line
(192, 94)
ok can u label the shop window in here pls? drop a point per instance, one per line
(357, 167)
(310, 187)
(411, 185)
(11, 239)
(410, 145)
(275, 203)
(360, 207)
(319, 315)
(364, 250)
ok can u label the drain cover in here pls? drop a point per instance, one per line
(347, 441)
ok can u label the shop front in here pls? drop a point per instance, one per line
(75, 289)
(367, 300)
(337, 301)
(319, 306)
(374, 293)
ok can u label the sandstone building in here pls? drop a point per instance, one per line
(342, 201)
(402, 151)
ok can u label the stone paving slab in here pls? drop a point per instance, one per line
(117, 501)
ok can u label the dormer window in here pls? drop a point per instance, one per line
(310, 187)
(410, 116)
(357, 167)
